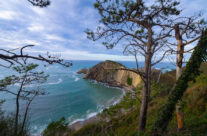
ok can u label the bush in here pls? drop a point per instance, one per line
(202, 80)
(57, 128)
(129, 81)
(7, 124)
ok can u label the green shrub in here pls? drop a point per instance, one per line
(202, 80)
(129, 81)
(57, 128)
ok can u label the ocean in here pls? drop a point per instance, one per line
(69, 95)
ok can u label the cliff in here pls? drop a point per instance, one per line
(103, 72)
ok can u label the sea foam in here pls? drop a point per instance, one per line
(55, 83)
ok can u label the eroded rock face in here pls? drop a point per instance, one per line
(103, 72)
(83, 71)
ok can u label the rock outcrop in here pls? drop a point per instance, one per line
(104, 72)
(83, 71)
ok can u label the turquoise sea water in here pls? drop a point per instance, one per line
(69, 95)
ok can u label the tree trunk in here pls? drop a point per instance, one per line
(25, 114)
(137, 64)
(179, 62)
(17, 114)
(147, 86)
(17, 108)
(25, 117)
(143, 109)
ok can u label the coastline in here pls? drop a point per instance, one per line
(79, 123)
(99, 74)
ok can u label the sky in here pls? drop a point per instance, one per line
(59, 28)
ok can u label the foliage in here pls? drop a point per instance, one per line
(202, 80)
(159, 89)
(57, 128)
(190, 73)
(128, 101)
(25, 76)
(7, 123)
(129, 81)
(24, 71)
(40, 3)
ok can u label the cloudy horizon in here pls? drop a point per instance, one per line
(59, 28)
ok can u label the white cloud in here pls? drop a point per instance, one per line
(39, 11)
(7, 15)
(31, 42)
(83, 55)
(54, 37)
(60, 27)
(35, 27)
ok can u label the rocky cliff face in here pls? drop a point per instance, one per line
(103, 72)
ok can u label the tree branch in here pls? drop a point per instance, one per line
(13, 57)
(184, 44)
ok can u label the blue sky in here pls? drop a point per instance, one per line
(60, 28)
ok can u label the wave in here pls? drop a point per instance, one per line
(39, 130)
(55, 83)
(100, 108)
(74, 75)
(90, 115)
(116, 101)
(51, 83)
(93, 114)
(76, 79)
(31, 85)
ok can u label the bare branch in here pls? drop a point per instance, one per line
(13, 57)
(189, 50)
(163, 56)
(192, 41)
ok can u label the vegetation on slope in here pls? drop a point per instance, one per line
(58, 128)
(191, 72)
